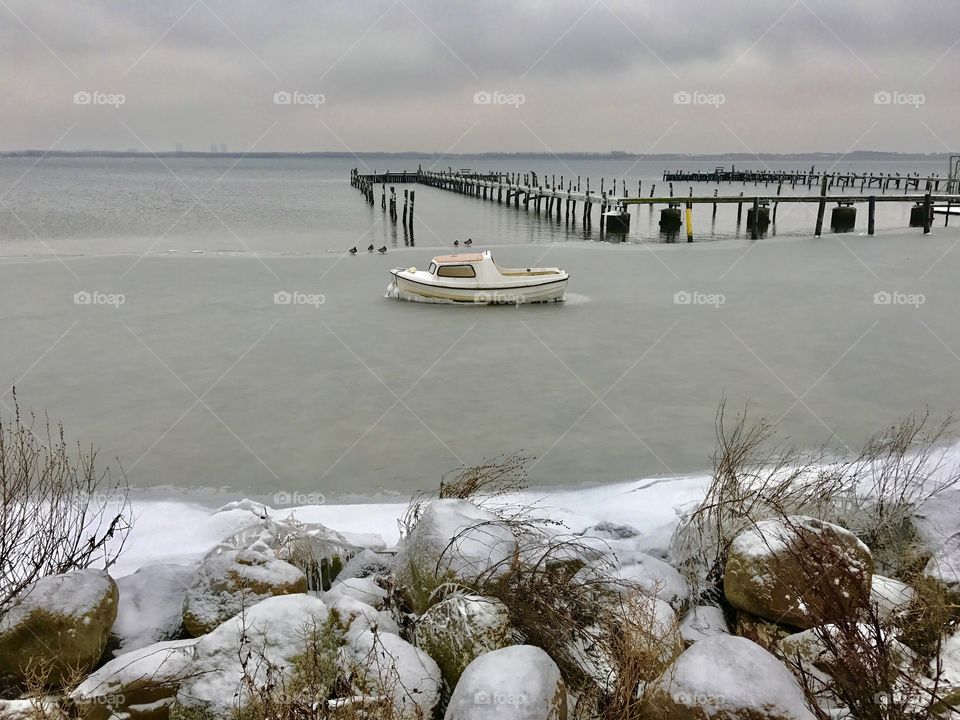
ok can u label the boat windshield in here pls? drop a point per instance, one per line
(458, 271)
(432, 269)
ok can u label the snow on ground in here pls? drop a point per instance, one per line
(172, 531)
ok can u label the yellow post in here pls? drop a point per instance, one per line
(689, 222)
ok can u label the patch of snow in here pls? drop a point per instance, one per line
(159, 662)
(275, 627)
(726, 675)
(151, 605)
(703, 621)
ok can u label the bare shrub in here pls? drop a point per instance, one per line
(58, 512)
(874, 493)
(561, 594)
(862, 661)
(317, 686)
(754, 477)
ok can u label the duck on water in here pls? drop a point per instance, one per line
(476, 278)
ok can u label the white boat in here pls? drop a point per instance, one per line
(476, 278)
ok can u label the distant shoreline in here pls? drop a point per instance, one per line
(860, 155)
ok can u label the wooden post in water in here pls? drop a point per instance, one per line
(821, 208)
(946, 218)
(689, 221)
(653, 189)
(412, 201)
(406, 199)
(926, 214)
(739, 211)
(714, 216)
(871, 215)
(754, 230)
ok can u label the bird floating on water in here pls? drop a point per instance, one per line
(382, 250)
(456, 242)
(370, 247)
(353, 250)
(468, 241)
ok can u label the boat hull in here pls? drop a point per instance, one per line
(546, 291)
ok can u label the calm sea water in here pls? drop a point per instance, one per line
(185, 368)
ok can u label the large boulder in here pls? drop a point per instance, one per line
(387, 666)
(520, 682)
(798, 571)
(151, 606)
(727, 677)
(273, 632)
(62, 623)
(460, 628)
(140, 685)
(452, 539)
(228, 581)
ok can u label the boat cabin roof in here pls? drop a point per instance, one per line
(461, 258)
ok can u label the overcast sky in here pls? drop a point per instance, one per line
(436, 75)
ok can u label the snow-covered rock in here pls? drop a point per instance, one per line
(31, 709)
(385, 665)
(944, 564)
(359, 617)
(452, 539)
(273, 628)
(798, 571)
(728, 677)
(633, 568)
(701, 622)
(891, 597)
(228, 581)
(810, 655)
(367, 563)
(460, 628)
(151, 605)
(363, 589)
(62, 621)
(141, 684)
(655, 577)
(520, 682)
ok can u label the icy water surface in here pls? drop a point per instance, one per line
(185, 367)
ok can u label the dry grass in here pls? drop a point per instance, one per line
(870, 668)
(875, 493)
(560, 594)
(57, 511)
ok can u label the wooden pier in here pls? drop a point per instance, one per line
(810, 178)
(559, 200)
